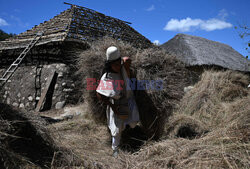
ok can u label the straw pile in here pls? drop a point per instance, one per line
(155, 106)
(91, 64)
(212, 100)
(219, 105)
(189, 140)
(25, 142)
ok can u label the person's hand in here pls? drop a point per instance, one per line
(127, 62)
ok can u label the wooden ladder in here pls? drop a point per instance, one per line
(10, 71)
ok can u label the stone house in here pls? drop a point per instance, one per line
(71, 30)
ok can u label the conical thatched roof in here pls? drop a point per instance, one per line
(78, 24)
(197, 51)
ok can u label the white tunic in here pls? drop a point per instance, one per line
(115, 124)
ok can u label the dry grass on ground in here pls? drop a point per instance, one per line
(90, 141)
(219, 106)
(155, 106)
(26, 143)
(208, 129)
(211, 145)
(85, 143)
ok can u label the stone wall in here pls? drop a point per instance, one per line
(20, 90)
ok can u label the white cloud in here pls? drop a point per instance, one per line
(223, 14)
(213, 24)
(156, 42)
(3, 22)
(183, 25)
(188, 24)
(151, 8)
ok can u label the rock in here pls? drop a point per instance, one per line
(60, 74)
(61, 67)
(64, 84)
(68, 90)
(15, 104)
(8, 101)
(60, 105)
(56, 86)
(27, 104)
(37, 98)
(73, 85)
(21, 105)
(186, 89)
(67, 115)
(19, 95)
(30, 98)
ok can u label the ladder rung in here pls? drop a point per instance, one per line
(8, 73)
(17, 61)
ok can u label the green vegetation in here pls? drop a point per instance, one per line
(4, 35)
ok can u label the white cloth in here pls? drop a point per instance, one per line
(112, 53)
(116, 141)
(115, 124)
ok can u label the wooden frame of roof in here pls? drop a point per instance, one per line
(78, 24)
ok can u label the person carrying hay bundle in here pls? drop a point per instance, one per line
(112, 90)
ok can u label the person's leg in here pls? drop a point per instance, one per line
(116, 141)
(115, 144)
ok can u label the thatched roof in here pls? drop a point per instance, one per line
(193, 51)
(78, 24)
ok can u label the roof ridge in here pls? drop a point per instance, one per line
(194, 50)
(78, 24)
(208, 40)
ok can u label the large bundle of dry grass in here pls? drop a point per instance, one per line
(218, 104)
(211, 100)
(156, 106)
(208, 106)
(150, 64)
(91, 65)
(25, 142)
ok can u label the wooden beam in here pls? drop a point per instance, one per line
(45, 101)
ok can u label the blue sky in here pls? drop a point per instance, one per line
(158, 20)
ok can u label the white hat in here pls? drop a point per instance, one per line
(112, 53)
